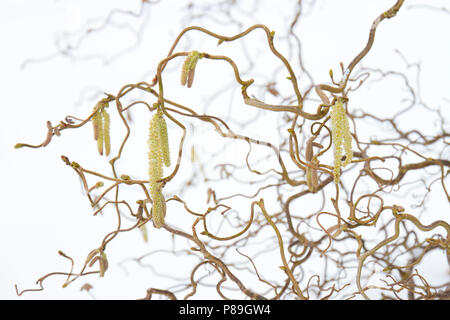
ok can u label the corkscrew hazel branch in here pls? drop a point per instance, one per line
(311, 174)
(299, 243)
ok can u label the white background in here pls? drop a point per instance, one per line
(43, 209)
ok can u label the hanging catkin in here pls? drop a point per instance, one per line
(101, 126)
(341, 136)
(188, 69)
(158, 155)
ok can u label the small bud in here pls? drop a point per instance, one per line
(98, 185)
(66, 160)
(74, 165)
(86, 287)
(398, 208)
(19, 145)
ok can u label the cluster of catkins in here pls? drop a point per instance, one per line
(101, 125)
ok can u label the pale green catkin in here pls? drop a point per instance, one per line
(164, 139)
(341, 136)
(144, 233)
(157, 155)
(188, 69)
(106, 134)
(158, 209)
(96, 125)
(154, 155)
(99, 124)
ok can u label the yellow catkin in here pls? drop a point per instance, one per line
(144, 233)
(164, 139)
(158, 209)
(106, 136)
(95, 125)
(100, 136)
(341, 137)
(184, 72)
(154, 154)
(103, 263)
(194, 157)
(188, 69)
(157, 155)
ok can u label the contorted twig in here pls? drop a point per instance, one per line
(274, 199)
